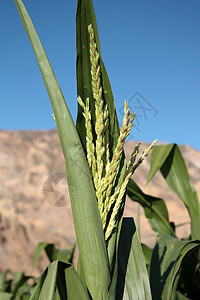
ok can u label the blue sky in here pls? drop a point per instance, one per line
(150, 49)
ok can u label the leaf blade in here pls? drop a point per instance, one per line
(132, 273)
(158, 156)
(52, 253)
(84, 205)
(169, 160)
(166, 261)
(75, 284)
(45, 288)
(154, 208)
(62, 276)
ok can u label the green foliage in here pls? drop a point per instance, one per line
(167, 259)
(170, 255)
(52, 253)
(117, 268)
(16, 286)
(131, 265)
(169, 160)
(154, 208)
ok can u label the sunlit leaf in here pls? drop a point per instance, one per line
(63, 277)
(172, 166)
(45, 288)
(154, 208)
(158, 156)
(86, 216)
(133, 280)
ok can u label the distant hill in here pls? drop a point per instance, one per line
(34, 199)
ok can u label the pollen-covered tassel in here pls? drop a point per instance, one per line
(112, 171)
(144, 154)
(89, 138)
(118, 196)
(101, 122)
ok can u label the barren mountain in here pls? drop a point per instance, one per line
(34, 198)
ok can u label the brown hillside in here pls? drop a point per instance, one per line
(34, 200)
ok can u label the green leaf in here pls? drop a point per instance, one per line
(158, 156)
(75, 288)
(133, 280)
(17, 288)
(5, 296)
(80, 270)
(84, 17)
(154, 209)
(147, 252)
(45, 288)
(167, 259)
(87, 220)
(53, 253)
(5, 285)
(179, 296)
(190, 274)
(62, 276)
(19, 279)
(175, 172)
(114, 262)
(56, 296)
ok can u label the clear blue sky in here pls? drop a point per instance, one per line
(151, 48)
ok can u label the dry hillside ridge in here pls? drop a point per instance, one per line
(34, 200)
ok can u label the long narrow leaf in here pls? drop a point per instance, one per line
(166, 262)
(53, 253)
(175, 172)
(74, 285)
(190, 274)
(80, 270)
(147, 252)
(5, 296)
(114, 266)
(154, 209)
(159, 155)
(19, 282)
(133, 280)
(87, 220)
(45, 288)
(84, 17)
(63, 277)
(179, 296)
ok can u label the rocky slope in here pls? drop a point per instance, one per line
(34, 199)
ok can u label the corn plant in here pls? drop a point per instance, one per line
(112, 263)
